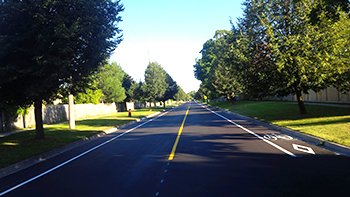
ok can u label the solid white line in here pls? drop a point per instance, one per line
(78, 156)
(251, 132)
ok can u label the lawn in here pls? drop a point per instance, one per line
(327, 122)
(23, 145)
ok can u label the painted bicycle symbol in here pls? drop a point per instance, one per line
(275, 137)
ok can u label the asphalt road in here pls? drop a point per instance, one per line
(214, 154)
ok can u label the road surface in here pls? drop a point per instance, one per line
(187, 151)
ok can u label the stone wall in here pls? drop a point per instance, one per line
(59, 113)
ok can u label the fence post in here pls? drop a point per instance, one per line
(71, 112)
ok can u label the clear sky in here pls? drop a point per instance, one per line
(172, 33)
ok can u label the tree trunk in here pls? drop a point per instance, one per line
(24, 120)
(164, 104)
(39, 128)
(301, 104)
(2, 121)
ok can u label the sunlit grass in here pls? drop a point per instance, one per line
(327, 122)
(23, 145)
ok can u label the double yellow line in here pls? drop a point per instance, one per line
(172, 154)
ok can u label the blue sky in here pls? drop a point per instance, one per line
(171, 33)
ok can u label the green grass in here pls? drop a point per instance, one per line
(23, 145)
(327, 122)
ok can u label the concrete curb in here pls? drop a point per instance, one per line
(55, 152)
(337, 148)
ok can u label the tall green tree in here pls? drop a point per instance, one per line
(306, 54)
(218, 67)
(171, 90)
(257, 68)
(155, 81)
(48, 44)
(90, 94)
(181, 95)
(205, 67)
(109, 78)
(130, 86)
(139, 92)
(227, 78)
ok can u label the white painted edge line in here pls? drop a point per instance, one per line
(251, 132)
(78, 156)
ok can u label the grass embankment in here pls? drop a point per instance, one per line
(23, 145)
(327, 122)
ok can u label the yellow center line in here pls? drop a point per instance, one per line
(172, 154)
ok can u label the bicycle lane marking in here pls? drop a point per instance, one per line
(251, 132)
(78, 156)
(283, 142)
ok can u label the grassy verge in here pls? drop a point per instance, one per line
(327, 122)
(23, 145)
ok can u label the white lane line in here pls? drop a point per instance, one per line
(78, 156)
(251, 132)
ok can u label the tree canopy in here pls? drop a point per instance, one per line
(110, 77)
(47, 45)
(155, 82)
(130, 86)
(171, 90)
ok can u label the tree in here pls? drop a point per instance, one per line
(91, 94)
(257, 68)
(109, 78)
(226, 79)
(205, 67)
(130, 86)
(218, 67)
(181, 95)
(171, 90)
(139, 93)
(192, 94)
(47, 45)
(155, 81)
(306, 54)
(341, 53)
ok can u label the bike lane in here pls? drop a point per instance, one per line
(284, 142)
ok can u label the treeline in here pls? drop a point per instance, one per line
(111, 84)
(279, 48)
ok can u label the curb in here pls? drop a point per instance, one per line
(57, 151)
(331, 146)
